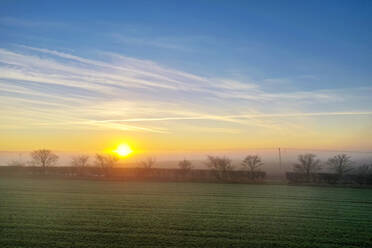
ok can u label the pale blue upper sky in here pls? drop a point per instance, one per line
(317, 44)
(244, 63)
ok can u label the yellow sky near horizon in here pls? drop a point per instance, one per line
(65, 102)
(323, 137)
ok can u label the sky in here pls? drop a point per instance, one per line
(166, 76)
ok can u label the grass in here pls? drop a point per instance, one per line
(72, 213)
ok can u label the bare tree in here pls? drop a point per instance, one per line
(185, 166)
(106, 162)
(80, 162)
(220, 165)
(43, 158)
(252, 162)
(364, 174)
(148, 163)
(340, 163)
(100, 161)
(308, 164)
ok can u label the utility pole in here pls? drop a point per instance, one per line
(280, 159)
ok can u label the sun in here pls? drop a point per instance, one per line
(123, 150)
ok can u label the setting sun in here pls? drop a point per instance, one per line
(123, 150)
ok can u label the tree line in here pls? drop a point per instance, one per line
(307, 169)
(341, 167)
(220, 167)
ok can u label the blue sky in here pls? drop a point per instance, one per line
(324, 40)
(250, 63)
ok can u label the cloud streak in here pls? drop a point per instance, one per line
(48, 88)
(242, 116)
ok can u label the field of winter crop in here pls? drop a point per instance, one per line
(73, 213)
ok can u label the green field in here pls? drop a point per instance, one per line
(71, 213)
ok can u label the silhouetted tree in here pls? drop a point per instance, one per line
(80, 162)
(43, 158)
(341, 164)
(220, 165)
(148, 163)
(308, 164)
(364, 174)
(106, 162)
(185, 166)
(252, 162)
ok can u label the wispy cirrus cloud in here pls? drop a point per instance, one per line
(47, 88)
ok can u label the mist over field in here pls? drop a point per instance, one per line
(168, 159)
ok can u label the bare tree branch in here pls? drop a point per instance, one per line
(185, 166)
(106, 162)
(308, 164)
(148, 163)
(43, 158)
(340, 163)
(220, 165)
